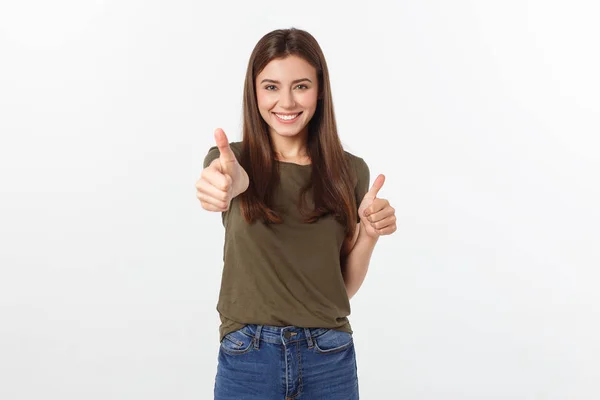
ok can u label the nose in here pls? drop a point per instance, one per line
(286, 100)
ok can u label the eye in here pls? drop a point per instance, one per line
(268, 86)
(304, 86)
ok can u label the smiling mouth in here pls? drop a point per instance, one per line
(287, 117)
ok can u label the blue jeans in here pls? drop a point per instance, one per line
(264, 362)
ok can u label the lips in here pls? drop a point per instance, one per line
(285, 117)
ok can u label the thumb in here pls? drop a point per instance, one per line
(226, 154)
(372, 193)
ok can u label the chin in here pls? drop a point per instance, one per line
(288, 133)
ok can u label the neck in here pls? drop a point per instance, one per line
(290, 147)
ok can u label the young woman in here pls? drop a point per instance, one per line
(300, 227)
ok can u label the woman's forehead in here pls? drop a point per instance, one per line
(288, 69)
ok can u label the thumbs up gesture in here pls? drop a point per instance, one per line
(223, 179)
(377, 216)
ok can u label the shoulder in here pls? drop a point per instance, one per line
(362, 176)
(359, 165)
(361, 173)
(236, 147)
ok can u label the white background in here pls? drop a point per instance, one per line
(482, 115)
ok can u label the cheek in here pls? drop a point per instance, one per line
(264, 101)
(308, 100)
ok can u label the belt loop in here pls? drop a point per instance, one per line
(308, 337)
(257, 336)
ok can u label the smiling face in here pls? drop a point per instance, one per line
(286, 92)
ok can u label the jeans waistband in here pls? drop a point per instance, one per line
(282, 334)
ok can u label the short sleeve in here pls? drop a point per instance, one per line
(362, 184)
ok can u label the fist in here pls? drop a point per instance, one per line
(223, 179)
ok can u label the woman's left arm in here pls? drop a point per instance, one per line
(377, 217)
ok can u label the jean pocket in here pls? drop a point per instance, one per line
(333, 341)
(237, 342)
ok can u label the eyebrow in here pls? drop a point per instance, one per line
(296, 81)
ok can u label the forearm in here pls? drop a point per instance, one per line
(357, 263)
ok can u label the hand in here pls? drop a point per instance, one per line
(377, 216)
(223, 179)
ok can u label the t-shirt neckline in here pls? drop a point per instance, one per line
(294, 164)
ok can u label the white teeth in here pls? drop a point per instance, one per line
(287, 117)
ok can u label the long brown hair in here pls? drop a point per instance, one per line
(333, 179)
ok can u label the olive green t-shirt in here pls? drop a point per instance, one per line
(289, 274)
